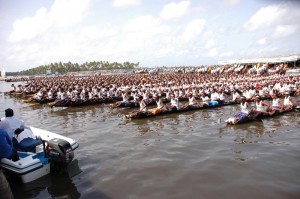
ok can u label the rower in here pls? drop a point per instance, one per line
(125, 96)
(174, 103)
(205, 99)
(159, 102)
(261, 107)
(192, 102)
(160, 105)
(287, 102)
(245, 107)
(215, 97)
(143, 105)
(142, 111)
(277, 104)
(39, 95)
(235, 96)
(243, 115)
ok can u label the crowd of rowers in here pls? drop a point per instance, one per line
(198, 88)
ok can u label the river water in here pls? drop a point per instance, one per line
(190, 155)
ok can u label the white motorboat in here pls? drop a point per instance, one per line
(51, 152)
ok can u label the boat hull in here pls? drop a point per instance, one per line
(140, 115)
(246, 119)
(30, 167)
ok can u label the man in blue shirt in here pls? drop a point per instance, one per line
(6, 151)
(6, 147)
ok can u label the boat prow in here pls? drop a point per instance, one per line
(47, 135)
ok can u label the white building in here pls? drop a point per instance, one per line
(3, 74)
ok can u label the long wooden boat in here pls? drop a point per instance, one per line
(154, 112)
(135, 104)
(241, 118)
(79, 102)
(37, 101)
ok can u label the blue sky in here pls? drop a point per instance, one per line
(151, 32)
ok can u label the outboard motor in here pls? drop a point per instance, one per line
(60, 151)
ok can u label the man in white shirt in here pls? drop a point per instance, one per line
(13, 122)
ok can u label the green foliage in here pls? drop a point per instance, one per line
(62, 68)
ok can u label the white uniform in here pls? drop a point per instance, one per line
(24, 134)
(287, 101)
(13, 124)
(259, 106)
(244, 108)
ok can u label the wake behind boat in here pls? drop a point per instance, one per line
(38, 157)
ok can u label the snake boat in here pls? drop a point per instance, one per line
(240, 118)
(154, 112)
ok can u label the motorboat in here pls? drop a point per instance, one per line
(50, 152)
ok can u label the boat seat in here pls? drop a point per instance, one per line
(27, 145)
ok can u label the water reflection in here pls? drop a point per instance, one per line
(57, 185)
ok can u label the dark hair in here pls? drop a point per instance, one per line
(18, 131)
(9, 112)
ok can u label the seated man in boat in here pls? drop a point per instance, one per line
(6, 147)
(261, 107)
(288, 102)
(193, 103)
(174, 103)
(24, 140)
(205, 99)
(124, 102)
(142, 111)
(160, 105)
(215, 97)
(223, 96)
(39, 95)
(277, 105)
(235, 96)
(13, 122)
(242, 116)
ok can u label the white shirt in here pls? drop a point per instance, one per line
(13, 124)
(215, 96)
(24, 134)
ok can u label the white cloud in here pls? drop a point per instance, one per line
(262, 41)
(63, 13)
(232, 2)
(165, 52)
(125, 3)
(210, 43)
(266, 17)
(30, 27)
(226, 54)
(284, 30)
(142, 23)
(175, 10)
(193, 29)
(212, 52)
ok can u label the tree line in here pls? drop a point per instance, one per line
(63, 68)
